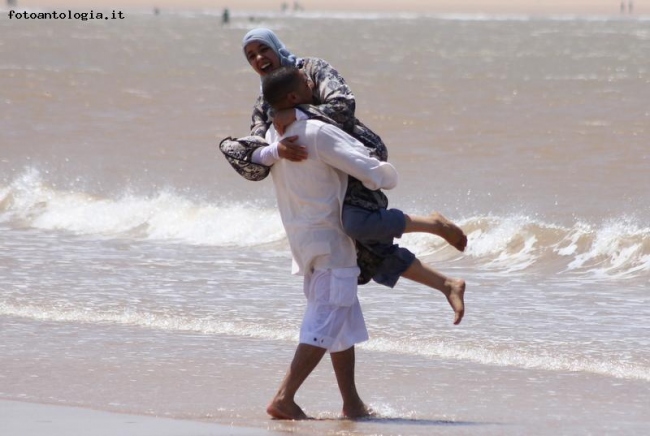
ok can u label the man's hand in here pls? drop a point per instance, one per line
(289, 149)
(282, 119)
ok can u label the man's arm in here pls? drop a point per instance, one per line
(266, 155)
(343, 152)
(286, 148)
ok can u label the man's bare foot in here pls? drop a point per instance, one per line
(285, 410)
(449, 231)
(455, 297)
(358, 411)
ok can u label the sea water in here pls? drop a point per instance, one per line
(140, 273)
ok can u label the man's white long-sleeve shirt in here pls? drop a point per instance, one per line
(310, 193)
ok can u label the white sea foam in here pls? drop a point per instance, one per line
(513, 357)
(130, 317)
(509, 356)
(618, 248)
(167, 216)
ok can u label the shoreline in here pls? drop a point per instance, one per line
(37, 419)
(491, 7)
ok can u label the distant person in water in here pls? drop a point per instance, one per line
(309, 195)
(365, 216)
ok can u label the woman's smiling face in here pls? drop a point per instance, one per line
(261, 57)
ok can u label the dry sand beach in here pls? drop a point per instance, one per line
(535, 7)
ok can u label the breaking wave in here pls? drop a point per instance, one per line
(619, 247)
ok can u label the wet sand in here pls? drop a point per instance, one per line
(31, 419)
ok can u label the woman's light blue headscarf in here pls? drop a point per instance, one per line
(268, 38)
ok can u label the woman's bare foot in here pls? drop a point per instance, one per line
(449, 231)
(279, 409)
(455, 297)
(438, 225)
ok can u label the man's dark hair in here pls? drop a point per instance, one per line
(277, 84)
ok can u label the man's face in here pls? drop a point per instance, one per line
(261, 57)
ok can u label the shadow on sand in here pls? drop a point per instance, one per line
(375, 425)
(420, 422)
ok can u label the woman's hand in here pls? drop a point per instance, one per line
(289, 149)
(282, 119)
